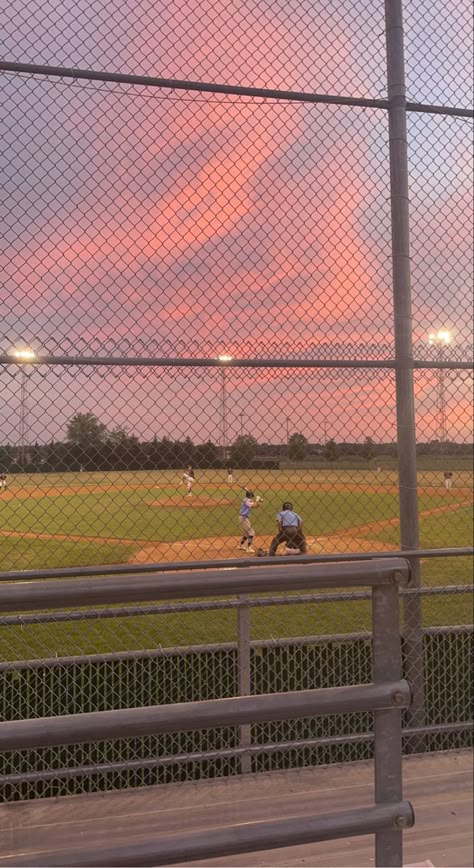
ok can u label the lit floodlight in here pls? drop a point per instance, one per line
(441, 338)
(25, 355)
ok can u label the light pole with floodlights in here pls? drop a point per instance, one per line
(25, 355)
(440, 340)
(224, 358)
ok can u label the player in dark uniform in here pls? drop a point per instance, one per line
(290, 531)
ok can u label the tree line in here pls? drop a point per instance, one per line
(90, 445)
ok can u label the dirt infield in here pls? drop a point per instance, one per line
(347, 540)
(39, 493)
(70, 490)
(213, 548)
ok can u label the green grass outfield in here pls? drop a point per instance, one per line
(97, 517)
(112, 511)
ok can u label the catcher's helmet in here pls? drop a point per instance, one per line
(287, 505)
(249, 494)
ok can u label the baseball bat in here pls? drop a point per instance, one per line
(249, 488)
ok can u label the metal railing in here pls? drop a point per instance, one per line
(39, 677)
(386, 696)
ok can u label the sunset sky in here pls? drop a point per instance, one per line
(146, 222)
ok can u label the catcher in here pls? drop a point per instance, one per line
(290, 531)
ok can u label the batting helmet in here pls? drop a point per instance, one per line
(249, 494)
(287, 505)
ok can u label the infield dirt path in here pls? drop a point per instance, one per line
(39, 493)
(352, 539)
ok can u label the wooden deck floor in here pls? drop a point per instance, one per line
(438, 785)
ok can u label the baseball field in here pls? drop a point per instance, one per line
(75, 519)
(85, 518)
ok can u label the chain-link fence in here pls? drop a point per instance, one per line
(205, 293)
(97, 659)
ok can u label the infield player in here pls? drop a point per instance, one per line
(230, 475)
(448, 480)
(290, 531)
(3, 481)
(188, 479)
(247, 531)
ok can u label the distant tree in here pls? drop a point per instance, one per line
(57, 457)
(118, 437)
(331, 452)
(243, 451)
(36, 457)
(167, 458)
(85, 430)
(368, 449)
(206, 455)
(123, 451)
(6, 458)
(297, 447)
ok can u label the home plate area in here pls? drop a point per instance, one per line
(223, 547)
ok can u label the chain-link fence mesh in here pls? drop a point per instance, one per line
(145, 224)
(438, 40)
(223, 224)
(101, 659)
(324, 47)
(84, 488)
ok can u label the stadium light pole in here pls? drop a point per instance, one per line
(440, 340)
(24, 355)
(224, 358)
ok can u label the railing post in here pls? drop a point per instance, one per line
(406, 434)
(244, 676)
(387, 664)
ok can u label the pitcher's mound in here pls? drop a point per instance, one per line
(196, 500)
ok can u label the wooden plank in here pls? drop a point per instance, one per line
(439, 786)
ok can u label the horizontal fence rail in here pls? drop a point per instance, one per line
(227, 841)
(206, 756)
(182, 651)
(166, 362)
(130, 722)
(236, 90)
(216, 605)
(385, 697)
(179, 566)
(22, 596)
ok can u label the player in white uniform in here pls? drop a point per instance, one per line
(3, 481)
(246, 528)
(448, 480)
(230, 475)
(188, 479)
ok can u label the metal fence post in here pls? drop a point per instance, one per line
(406, 434)
(244, 676)
(387, 664)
